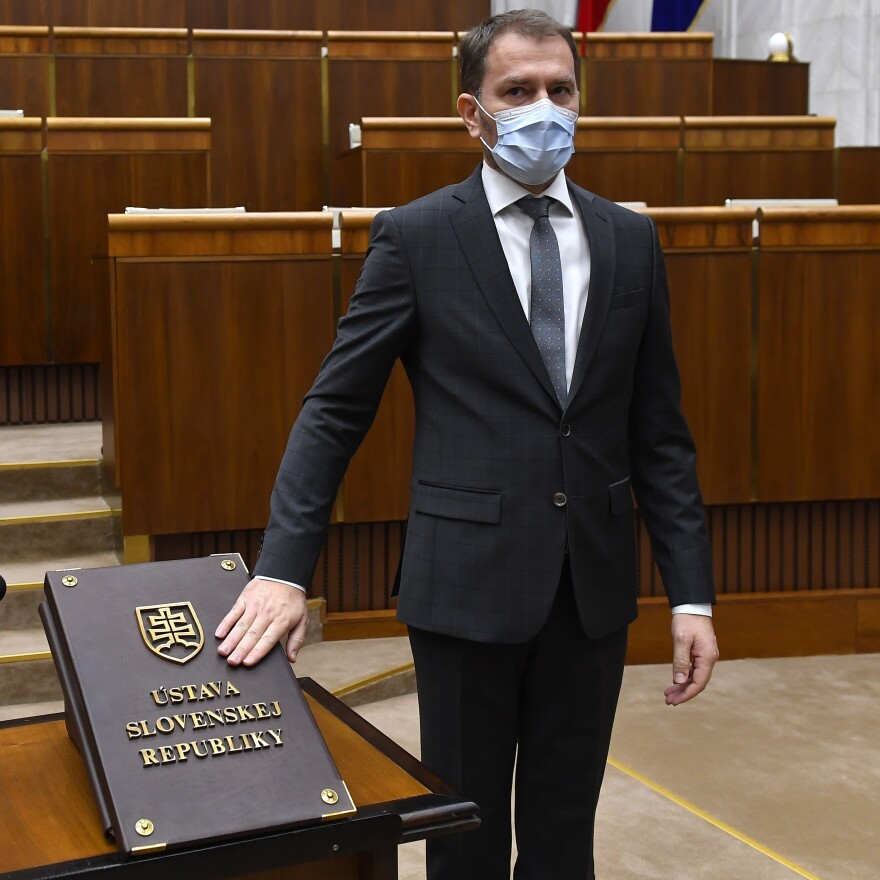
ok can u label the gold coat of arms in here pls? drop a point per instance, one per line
(172, 630)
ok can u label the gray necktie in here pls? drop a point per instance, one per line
(547, 311)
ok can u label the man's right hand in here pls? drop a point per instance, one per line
(264, 614)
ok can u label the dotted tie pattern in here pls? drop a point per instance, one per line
(547, 310)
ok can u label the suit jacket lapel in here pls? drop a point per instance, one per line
(478, 237)
(600, 235)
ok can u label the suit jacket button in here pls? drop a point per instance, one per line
(559, 499)
(566, 429)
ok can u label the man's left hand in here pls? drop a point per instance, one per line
(695, 652)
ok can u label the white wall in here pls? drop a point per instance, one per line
(839, 38)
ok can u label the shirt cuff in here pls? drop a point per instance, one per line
(262, 577)
(701, 609)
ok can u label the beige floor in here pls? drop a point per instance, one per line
(772, 774)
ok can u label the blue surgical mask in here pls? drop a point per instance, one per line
(535, 142)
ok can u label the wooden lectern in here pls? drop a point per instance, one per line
(49, 823)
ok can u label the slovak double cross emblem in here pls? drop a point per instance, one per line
(172, 630)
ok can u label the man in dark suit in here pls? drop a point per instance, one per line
(532, 319)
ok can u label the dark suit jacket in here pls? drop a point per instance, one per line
(504, 481)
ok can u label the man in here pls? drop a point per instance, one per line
(518, 573)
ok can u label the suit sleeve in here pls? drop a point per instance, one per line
(340, 407)
(663, 457)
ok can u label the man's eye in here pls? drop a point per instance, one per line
(516, 91)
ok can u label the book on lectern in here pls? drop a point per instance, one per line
(181, 748)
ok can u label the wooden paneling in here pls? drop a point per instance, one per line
(758, 133)
(403, 158)
(249, 14)
(646, 74)
(376, 485)
(355, 570)
(392, 74)
(124, 72)
(120, 13)
(26, 12)
(98, 167)
(626, 159)
(745, 87)
(761, 548)
(262, 93)
(757, 157)
(204, 344)
(809, 549)
(666, 46)
(776, 625)
(709, 264)
(398, 15)
(859, 176)
(24, 70)
(659, 160)
(22, 250)
(818, 355)
(645, 87)
(49, 394)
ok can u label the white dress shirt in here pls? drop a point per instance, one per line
(514, 229)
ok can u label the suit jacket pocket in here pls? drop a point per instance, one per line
(627, 298)
(454, 502)
(621, 497)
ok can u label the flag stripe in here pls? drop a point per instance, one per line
(591, 14)
(674, 15)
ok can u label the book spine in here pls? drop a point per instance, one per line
(73, 718)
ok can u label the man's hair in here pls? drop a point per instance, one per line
(529, 23)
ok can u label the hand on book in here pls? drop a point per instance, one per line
(265, 613)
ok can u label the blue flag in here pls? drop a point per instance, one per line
(674, 15)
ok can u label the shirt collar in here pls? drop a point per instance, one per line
(502, 191)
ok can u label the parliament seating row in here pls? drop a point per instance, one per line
(249, 14)
(52, 272)
(58, 180)
(664, 161)
(281, 102)
(218, 318)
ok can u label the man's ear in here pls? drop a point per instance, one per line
(470, 113)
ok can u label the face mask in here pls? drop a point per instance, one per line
(535, 142)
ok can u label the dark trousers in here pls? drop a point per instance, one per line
(546, 706)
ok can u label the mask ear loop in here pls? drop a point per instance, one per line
(490, 116)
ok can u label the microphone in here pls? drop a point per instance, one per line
(2, 586)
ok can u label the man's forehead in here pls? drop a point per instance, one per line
(510, 50)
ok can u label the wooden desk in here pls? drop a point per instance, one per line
(50, 825)
(753, 157)
(646, 74)
(709, 263)
(859, 176)
(748, 87)
(262, 92)
(100, 166)
(25, 69)
(817, 358)
(275, 14)
(124, 72)
(219, 325)
(376, 73)
(400, 159)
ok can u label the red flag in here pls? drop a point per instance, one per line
(591, 14)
